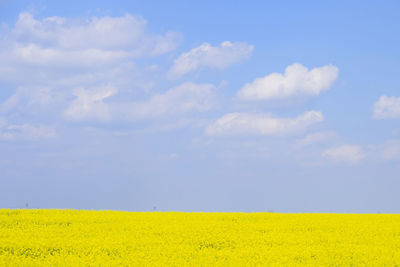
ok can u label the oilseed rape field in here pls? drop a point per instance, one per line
(92, 238)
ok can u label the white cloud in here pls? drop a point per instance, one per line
(89, 104)
(43, 48)
(182, 99)
(346, 153)
(215, 57)
(383, 152)
(187, 97)
(35, 55)
(297, 80)
(108, 34)
(34, 99)
(387, 108)
(389, 150)
(192, 123)
(3, 122)
(314, 138)
(262, 124)
(10, 132)
(46, 59)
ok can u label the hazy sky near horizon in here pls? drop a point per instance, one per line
(281, 106)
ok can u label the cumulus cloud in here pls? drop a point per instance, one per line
(65, 53)
(41, 49)
(207, 56)
(297, 80)
(262, 124)
(346, 153)
(112, 36)
(46, 59)
(387, 108)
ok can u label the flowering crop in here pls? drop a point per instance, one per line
(71, 237)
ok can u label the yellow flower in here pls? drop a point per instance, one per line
(71, 237)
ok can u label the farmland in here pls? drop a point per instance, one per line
(73, 237)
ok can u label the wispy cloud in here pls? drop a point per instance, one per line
(11, 132)
(315, 138)
(207, 56)
(89, 105)
(346, 153)
(182, 99)
(187, 97)
(387, 151)
(262, 124)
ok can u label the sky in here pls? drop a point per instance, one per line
(275, 106)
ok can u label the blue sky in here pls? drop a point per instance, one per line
(209, 106)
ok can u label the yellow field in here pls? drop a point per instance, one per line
(70, 237)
